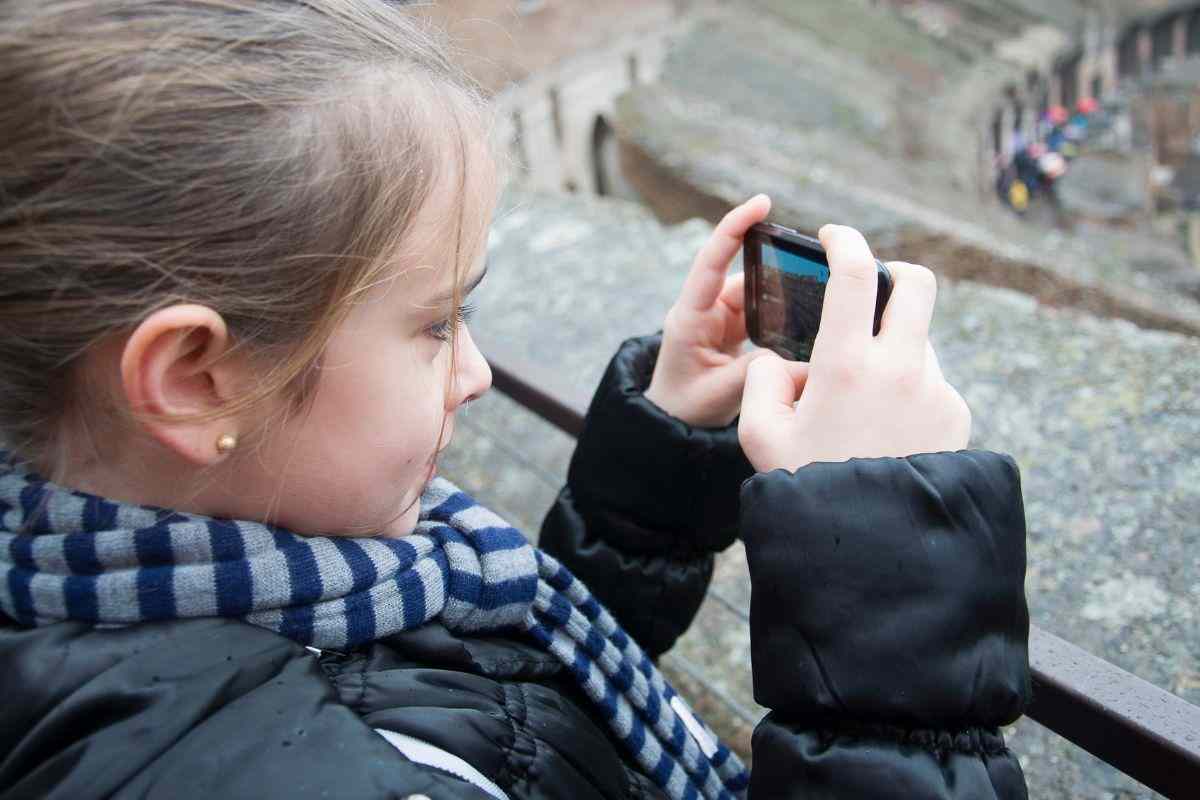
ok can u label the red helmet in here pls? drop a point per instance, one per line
(1087, 105)
(1058, 115)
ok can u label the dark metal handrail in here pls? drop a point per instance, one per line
(1149, 734)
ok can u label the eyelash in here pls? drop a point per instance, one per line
(441, 330)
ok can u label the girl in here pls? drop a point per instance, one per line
(236, 238)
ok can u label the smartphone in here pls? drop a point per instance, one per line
(786, 273)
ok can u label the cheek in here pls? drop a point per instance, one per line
(394, 407)
(361, 450)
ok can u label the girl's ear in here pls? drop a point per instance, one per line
(171, 370)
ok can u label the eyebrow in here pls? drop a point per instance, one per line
(470, 287)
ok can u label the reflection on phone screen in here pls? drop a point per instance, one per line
(790, 297)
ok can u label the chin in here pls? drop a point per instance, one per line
(405, 522)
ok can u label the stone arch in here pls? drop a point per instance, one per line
(1162, 41)
(607, 175)
(606, 157)
(516, 144)
(1016, 105)
(1128, 63)
(1068, 77)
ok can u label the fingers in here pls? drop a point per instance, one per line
(848, 313)
(733, 298)
(798, 372)
(707, 275)
(733, 292)
(768, 399)
(772, 386)
(742, 364)
(910, 309)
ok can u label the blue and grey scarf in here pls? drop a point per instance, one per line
(67, 555)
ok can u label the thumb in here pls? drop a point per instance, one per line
(742, 363)
(797, 370)
(774, 383)
(768, 399)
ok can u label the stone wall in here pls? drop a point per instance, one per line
(817, 128)
(1108, 50)
(556, 125)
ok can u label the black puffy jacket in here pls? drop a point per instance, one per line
(888, 630)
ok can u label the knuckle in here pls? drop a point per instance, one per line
(964, 409)
(964, 436)
(855, 270)
(756, 366)
(730, 224)
(750, 433)
(846, 372)
(958, 414)
(745, 428)
(671, 322)
(904, 380)
(919, 277)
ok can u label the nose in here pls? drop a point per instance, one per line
(473, 375)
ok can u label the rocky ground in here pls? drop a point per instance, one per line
(1103, 417)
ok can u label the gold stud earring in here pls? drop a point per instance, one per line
(226, 443)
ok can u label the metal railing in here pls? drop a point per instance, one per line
(1149, 734)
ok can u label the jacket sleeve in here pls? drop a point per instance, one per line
(648, 501)
(889, 629)
(193, 709)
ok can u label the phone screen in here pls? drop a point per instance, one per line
(790, 295)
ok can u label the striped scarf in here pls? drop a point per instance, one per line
(67, 555)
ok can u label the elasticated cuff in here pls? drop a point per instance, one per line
(890, 589)
(678, 483)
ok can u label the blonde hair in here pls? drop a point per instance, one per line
(265, 158)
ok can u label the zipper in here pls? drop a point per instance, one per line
(702, 737)
(421, 752)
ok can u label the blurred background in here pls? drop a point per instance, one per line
(1042, 157)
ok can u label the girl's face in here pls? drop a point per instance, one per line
(356, 461)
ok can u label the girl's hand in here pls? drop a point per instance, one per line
(700, 371)
(863, 396)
